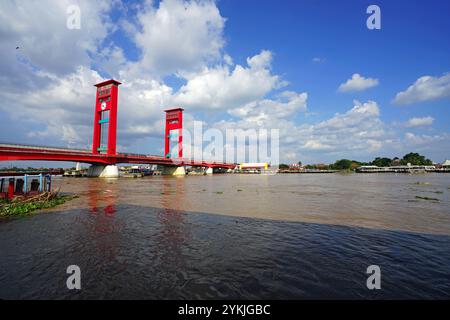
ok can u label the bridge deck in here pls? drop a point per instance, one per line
(12, 152)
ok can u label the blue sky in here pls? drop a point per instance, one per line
(413, 42)
(312, 69)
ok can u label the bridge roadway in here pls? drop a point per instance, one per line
(15, 152)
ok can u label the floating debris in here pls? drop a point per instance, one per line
(218, 192)
(427, 198)
(422, 183)
(429, 191)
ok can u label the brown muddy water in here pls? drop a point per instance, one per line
(235, 236)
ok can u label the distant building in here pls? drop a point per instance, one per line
(395, 162)
(249, 166)
(446, 164)
(371, 169)
(407, 168)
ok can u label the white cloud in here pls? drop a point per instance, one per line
(423, 139)
(70, 93)
(263, 111)
(358, 83)
(39, 29)
(316, 145)
(172, 38)
(178, 36)
(47, 79)
(47, 82)
(222, 87)
(64, 105)
(228, 60)
(419, 122)
(425, 88)
(68, 98)
(318, 60)
(67, 132)
(360, 128)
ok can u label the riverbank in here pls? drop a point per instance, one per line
(23, 205)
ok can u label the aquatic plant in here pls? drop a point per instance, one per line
(421, 183)
(24, 205)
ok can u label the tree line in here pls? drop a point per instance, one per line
(347, 164)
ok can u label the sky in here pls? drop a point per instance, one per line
(312, 69)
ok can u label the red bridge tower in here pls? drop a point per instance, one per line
(174, 122)
(105, 119)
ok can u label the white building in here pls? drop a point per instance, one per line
(446, 164)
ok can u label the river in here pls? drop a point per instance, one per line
(286, 236)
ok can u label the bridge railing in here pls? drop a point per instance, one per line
(128, 156)
(39, 147)
(176, 160)
(136, 154)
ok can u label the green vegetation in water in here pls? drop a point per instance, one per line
(23, 206)
(239, 190)
(420, 183)
(429, 191)
(427, 198)
(218, 192)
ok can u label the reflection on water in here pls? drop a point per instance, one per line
(269, 237)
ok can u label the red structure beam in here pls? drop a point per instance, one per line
(174, 121)
(105, 117)
(16, 153)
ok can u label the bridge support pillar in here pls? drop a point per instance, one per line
(110, 171)
(209, 171)
(174, 171)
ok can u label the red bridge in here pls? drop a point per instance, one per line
(103, 153)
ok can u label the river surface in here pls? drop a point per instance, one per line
(291, 236)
